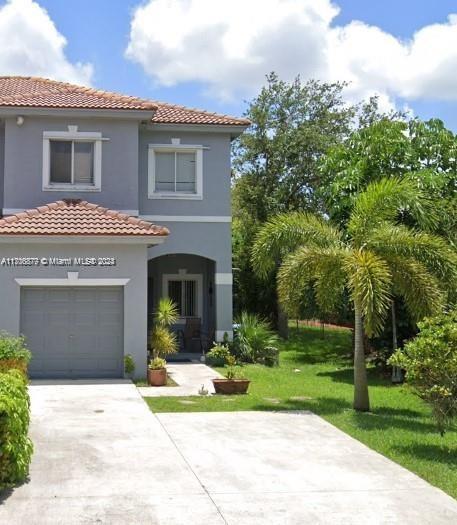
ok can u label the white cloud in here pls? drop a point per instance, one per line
(31, 45)
(229, 47)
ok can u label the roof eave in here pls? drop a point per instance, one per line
(149, 240)
(129, 114)
(231, 129)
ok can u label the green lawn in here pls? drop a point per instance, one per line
(315, 374)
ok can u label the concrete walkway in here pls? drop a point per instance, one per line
(189, 378)
(102, 457)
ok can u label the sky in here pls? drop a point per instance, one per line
(214, 54)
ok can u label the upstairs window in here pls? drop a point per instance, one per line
(72, 160)
(175, 172)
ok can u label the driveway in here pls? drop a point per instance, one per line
(102, 457)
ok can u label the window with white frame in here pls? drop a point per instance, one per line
(175, 171)
(186, 292)
(72, 160)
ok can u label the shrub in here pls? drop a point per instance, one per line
(253, 336)
(129, 364)
(430, 361)
(15, 446)
(269, 357)
(218, 355)
(13, 353)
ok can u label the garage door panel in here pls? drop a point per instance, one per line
(56, 364)
(105, 365)
(85, 320)
(74, 332)
(32, 317)
(109, 294)
(58, 295)
(36, 295)
(57, 344)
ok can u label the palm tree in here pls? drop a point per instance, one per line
(374, 259)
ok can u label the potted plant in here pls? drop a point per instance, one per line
(234, 382)
(157, 372)
(129, 366)
(162, 341)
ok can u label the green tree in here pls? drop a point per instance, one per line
(276, 168)
(374, 258)
(293, 125)
(425, 152)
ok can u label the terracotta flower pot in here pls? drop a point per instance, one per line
(231, 386)
(157, 377)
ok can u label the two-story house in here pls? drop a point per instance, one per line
(109, 202)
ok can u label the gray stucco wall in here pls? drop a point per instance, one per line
(131, 264)
(216, 175)
(23, 162)
(210, 240)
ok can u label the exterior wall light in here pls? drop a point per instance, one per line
(20, 120)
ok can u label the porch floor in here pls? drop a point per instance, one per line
(188, 376)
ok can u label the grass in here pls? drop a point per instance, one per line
(144, 382)
(315, 374)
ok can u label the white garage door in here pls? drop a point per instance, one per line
(74, 332)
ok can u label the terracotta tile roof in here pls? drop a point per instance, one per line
(35, 92)
(174, 114)
(43, 93)
(77, 217)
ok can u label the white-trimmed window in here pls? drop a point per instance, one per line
(185, 290)
(175, 171)
(72, 160)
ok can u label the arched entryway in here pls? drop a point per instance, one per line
(189, 280)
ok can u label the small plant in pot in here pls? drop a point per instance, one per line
(234, 382)
(162, 341)
(157, 372)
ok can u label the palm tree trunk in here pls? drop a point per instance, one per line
(283, 323)
(361, 399)
(396, 371)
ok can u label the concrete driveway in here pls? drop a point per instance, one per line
(102, 457)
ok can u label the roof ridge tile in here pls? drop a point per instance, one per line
(75, 217)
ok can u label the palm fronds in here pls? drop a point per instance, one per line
(321, 268)
(420, 290)
(369, 282)
(285, 233)
(433, 251)
(384, 200)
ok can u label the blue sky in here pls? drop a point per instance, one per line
(102, 38)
